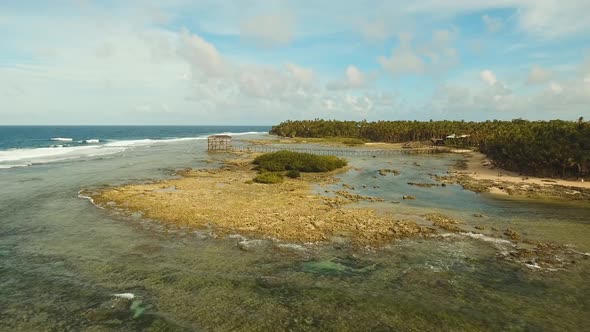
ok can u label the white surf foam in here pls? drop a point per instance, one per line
(13, 165)
(26, 157)
(147, 141)
(94, 147)
(486, 238)
(80, 195)
(126, 296)
(477, 236)
(128, 143)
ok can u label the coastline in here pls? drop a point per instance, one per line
(479, 171)
(477, 174)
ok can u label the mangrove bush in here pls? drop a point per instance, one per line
(269, 177)
(303, 162)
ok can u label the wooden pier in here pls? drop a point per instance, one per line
(341, 151)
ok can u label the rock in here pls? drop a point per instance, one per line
(356, 197)
(443, 222)
(514, 236)
(384, 172)
(480, 227)
(478, 215)
(423, 185)
(408, 197)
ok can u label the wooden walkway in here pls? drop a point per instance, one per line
(341, 151)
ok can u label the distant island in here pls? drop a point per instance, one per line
(556, 148)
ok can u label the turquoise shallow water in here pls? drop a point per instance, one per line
(62, 260)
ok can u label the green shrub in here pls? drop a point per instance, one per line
(269, 177)
(302, 162)
(293, 174)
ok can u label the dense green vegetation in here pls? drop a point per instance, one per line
(303, 162)
(293, 174)
(545, 148)
(269, 177)
(273, 166)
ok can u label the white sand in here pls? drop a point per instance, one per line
(476, 170)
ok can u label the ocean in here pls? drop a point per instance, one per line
(66, 265)
(26, 145)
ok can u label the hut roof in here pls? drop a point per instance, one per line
(219, 136)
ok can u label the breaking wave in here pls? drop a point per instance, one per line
(89, 148)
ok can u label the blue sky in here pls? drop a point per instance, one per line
(261, 62)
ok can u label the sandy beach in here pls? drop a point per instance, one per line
(477, 174)
(479, 170)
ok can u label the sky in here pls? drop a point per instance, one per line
(224, 62)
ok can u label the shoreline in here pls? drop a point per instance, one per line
(476, 173)
(479, 171)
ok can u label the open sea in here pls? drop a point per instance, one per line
(66, 265)
(27, 145)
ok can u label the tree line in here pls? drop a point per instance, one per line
(553, 148)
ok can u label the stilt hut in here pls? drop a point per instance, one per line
(218, 143)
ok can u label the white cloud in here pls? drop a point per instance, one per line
(439, 52)
(359, 104)
(376, 30)
(354, 79)
(305, 76)
(379, 20)
(269, 29)
(434, 57)
(555, 88)
(554, 18)
(441, 38)
(126, 60)
(492, 24)
(488, 76)
(203, 57)
(563, 99)
(404, 59)
(538, 75)
(496, 89)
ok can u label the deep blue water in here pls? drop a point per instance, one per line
(20, 137)
(22, 146)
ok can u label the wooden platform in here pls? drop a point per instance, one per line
(342, 151)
